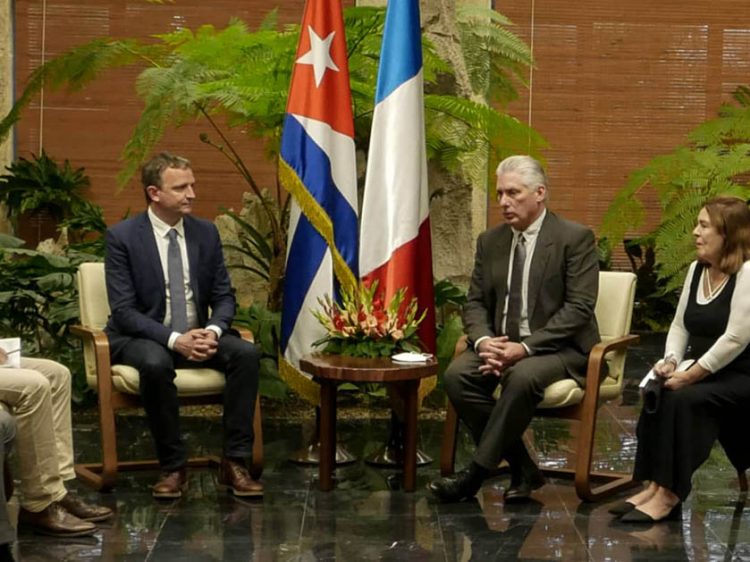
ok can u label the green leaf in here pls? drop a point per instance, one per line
(8, 241)
(715, 160)
(451, 331)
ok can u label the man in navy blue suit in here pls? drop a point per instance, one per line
(172, 307)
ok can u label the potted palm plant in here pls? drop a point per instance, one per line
(39, 193)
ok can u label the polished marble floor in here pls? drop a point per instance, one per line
(368, 517)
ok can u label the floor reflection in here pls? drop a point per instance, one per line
(368, 516)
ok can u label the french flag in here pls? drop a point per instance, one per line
(317, 167)
(395, 230)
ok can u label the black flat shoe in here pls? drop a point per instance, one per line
(621, 508)
(637, 516)
(521, 492)
(464, 485)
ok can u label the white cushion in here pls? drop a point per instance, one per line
(567, 393)
(189, 382)
(614, 312)
(562, 393)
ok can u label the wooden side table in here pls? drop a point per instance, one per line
(331, 370)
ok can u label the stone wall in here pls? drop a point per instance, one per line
(6, 88)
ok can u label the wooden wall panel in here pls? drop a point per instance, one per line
(91, 127)
(617, 83)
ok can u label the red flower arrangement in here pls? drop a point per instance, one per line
(364, 326)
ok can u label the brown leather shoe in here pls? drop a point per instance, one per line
(84, 511)
(234, 477)
(55, 521)
(170, 485)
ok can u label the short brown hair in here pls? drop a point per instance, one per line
(730, 216)
(154, 168)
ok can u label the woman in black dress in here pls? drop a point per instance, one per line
(712, 326)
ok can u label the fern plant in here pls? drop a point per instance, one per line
(714, 161)
(42, 184)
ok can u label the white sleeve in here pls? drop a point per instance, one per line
(737, 335)
(677, 338)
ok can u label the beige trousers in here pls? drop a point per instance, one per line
(39, 393)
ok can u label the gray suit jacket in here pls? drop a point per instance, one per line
(562, 292)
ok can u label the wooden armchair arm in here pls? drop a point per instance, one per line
(100, 343)
(597, 362)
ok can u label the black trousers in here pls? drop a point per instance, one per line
(497, 426)
(237, 359)
(677, 439)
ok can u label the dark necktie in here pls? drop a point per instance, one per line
(515, 301)
(177, 308)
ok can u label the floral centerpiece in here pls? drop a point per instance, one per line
(364, 326)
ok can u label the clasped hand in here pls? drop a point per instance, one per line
(673, 379)
(197, 345)
(498, 354)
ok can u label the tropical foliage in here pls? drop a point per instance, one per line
(714, 161)
(240, 78)
(39, 302)
(42, 184)
(449, 299)
(266, 327)
(236, 78)
(38, 293)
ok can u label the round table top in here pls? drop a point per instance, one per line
(364, 369)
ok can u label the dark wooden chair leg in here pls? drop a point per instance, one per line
(450, 437)
(410, 437)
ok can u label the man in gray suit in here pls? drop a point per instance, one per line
(530, 322)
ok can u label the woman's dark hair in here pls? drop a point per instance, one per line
(730, 216)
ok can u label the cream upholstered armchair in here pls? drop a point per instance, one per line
(117, 386)
(566, 399)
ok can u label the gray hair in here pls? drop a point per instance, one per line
(529, 169)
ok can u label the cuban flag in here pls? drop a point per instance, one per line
(397, 248)
(317, 167)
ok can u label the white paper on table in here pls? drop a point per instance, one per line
(411, 357)
(650, 376)
(12, 348)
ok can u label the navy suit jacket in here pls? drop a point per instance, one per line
(135, 280)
